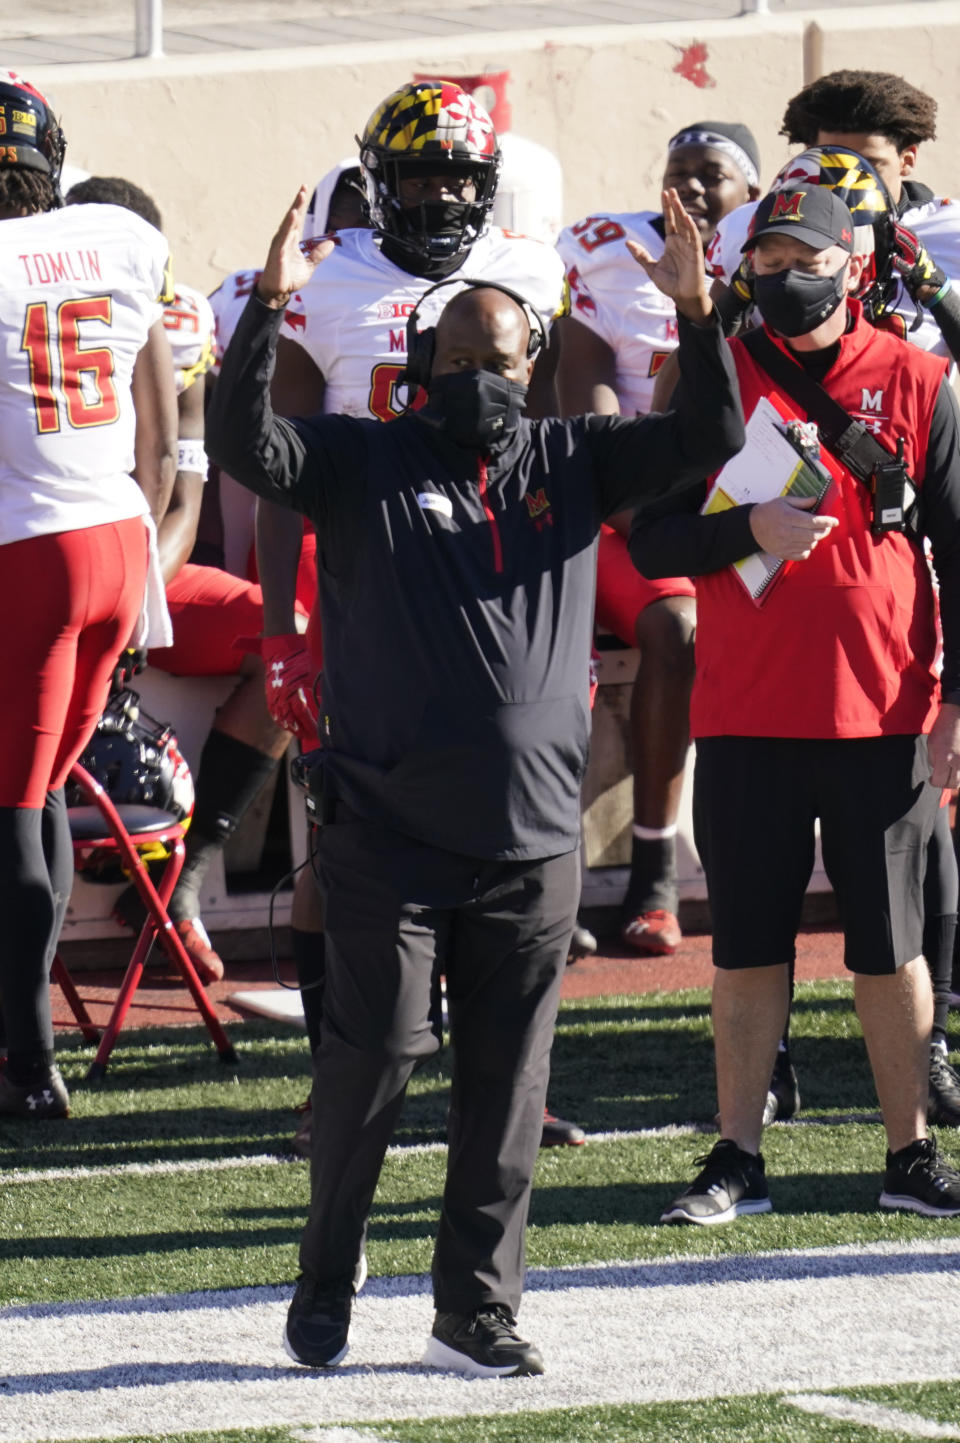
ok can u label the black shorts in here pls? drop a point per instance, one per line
(755, 803)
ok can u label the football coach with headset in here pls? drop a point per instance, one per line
(456, 559)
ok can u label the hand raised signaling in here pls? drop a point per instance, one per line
(290, 261)
(679, 273)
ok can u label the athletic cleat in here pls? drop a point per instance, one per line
(45, 1099)
(318, 1321)
(656, 933)
(485, 1344)
(919, 1180)
(207, 963)
(783, 1088)
(557, 1132)
(732, 1183)
(943, 1103)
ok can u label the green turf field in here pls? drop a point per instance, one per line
(174, 1176)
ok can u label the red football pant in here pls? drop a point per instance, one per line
(70, 603)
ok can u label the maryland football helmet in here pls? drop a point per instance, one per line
(858, 185)
(136, 759)
(427, 128)
(29, 133)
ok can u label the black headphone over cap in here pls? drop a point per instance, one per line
(421, 345)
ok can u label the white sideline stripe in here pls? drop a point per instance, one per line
(671, 1329)
(336, 1435)
(269, 1159)
(872, 1415)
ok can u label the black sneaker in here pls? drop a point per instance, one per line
(557, 1132)
(943, 1103)
(485, 1344)
(318, 1321)
(783, 1088)
(921, 1181)
(732, 1182)
(43, 1099)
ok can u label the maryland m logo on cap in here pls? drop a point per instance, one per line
(787, 205)
(814, 215)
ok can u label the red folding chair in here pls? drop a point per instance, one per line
(99, 829)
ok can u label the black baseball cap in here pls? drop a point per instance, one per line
(810, 213)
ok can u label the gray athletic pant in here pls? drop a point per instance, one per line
(400, 913)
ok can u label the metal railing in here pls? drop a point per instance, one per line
(148, 40)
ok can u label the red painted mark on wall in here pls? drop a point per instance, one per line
(692, 66)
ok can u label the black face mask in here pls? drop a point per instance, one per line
(475, 409)
(794, 302)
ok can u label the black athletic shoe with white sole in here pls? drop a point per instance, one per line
(484, 1344)
(919, 1180)
(943, 1103)
(318, 1321)
(732, 1182)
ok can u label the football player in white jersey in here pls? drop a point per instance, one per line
(620, 333)
(86, 395)
(884, 119)
(429, 161)
(216, 618)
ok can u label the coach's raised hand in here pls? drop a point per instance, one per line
(679, 273)
(291, 261)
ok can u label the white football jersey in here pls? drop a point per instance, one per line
(189, 324)
(936, 223)
(612, 296)
(79, 290)
(352, 317)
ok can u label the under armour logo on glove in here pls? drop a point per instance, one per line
(291, 699)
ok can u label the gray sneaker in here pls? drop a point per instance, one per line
(732, 1182)
(44, 1099)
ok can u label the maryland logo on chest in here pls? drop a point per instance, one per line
(538, 508)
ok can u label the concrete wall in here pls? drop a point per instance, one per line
(223, 141)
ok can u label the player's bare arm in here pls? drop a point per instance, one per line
(177, 532)
(587, 376)
(155, 404)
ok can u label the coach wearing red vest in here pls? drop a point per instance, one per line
(822, 703)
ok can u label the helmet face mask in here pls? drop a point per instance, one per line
(28, 129)
(855, 181)
(430, 128)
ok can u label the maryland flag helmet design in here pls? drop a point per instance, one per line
(429, 127)
(29, 133)
(858, 185)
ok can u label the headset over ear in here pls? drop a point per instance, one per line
(421, 345)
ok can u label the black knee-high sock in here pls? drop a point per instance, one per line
(940, 896)
(29, 916)
(309, 956)
(653, 875)
(229, 777)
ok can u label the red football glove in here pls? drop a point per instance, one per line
(289, 685)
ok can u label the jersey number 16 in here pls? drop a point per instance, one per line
(86, 386)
